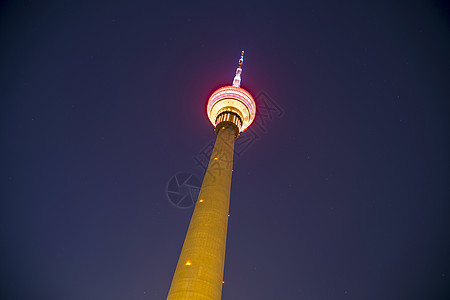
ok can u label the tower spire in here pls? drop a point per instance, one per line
(237, 78)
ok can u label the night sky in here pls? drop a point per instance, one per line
(342, 194)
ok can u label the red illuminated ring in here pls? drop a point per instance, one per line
(236, 94)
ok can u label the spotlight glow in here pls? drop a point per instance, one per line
(234, 99)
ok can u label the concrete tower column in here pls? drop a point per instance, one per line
(199, 272)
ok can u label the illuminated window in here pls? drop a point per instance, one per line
(188, 263)
(216, 158)
(201, 200)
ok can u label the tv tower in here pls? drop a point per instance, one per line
(199, 272)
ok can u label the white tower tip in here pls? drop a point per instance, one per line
(237, 78)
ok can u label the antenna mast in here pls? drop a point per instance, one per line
(237, 78)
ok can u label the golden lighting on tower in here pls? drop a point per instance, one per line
(231, 110)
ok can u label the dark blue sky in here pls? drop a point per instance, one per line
(346, 195)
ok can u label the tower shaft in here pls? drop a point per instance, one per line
(199, 272)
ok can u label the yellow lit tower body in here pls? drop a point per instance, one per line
(199, 272)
